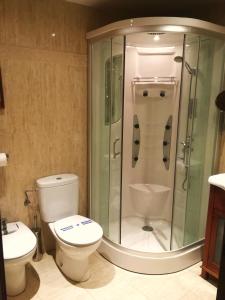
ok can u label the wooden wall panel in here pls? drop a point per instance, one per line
(44, 124)
(30, 23)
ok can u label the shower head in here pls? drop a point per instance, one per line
(178, 59)
(191, 71)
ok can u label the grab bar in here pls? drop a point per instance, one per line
(115, 154)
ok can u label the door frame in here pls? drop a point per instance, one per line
(2, 270)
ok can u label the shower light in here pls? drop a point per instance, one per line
(153, 50)
(156, 37)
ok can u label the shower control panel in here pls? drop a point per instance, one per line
(167, 142)
(135, 141)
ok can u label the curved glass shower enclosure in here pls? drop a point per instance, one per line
(153, 136)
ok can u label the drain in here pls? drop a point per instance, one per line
(147, 228)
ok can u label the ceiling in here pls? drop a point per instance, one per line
(209, 10)
(93, 3)
(144, 3)
(124, 9)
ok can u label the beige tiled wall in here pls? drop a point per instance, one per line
(44, 125)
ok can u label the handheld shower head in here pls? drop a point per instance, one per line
(191, 71)
(178, 59)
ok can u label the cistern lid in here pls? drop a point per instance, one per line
(19, 242)
(78, 230)
(56, 180)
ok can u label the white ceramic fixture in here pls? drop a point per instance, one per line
(19, 246)
(148, 199)
(77, 237)
(218, 180)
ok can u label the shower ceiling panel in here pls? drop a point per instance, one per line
(146, 39)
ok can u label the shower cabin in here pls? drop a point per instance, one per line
(153, 136)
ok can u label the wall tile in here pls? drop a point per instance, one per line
(31, 23)
(44, 124)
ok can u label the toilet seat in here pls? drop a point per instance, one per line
(19, 242)
(78, 230)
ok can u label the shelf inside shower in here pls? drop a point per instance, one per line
(154, 80)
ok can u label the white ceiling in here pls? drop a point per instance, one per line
(143, 39)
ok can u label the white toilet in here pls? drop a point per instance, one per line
(77, 237)
(19, 246)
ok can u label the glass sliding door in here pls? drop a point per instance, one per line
(196, 137)
(116, 107)
(210, 69)
(187, 103)
(100, 134)
(106, 133)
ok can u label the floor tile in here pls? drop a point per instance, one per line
(109, 282)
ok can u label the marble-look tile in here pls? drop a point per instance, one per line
(71, 292)
(50, 24)
(109, 282)
(43, 125)
(175, 286)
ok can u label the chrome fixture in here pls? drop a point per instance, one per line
(185, 150)
(115, 154)
(136, 140)
(27, 200)
(4, 226)
(191, 71)
(167, 142)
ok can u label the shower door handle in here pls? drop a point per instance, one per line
(115, 154)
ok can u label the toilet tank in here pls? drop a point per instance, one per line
(58, 196)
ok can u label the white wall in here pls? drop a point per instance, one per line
(153, 114)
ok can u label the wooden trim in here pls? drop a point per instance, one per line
(216, 210)
(208, 231)
(210, 272)
(221, 285)
(2, 101)
(2, 270)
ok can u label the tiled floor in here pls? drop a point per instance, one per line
(108, 282)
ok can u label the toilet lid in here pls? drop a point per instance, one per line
(78, 230)
(19, 242)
